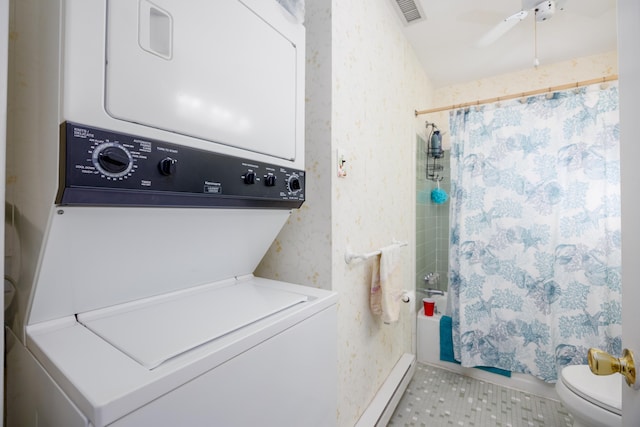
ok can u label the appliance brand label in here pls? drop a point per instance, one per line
(82, 133)
(212, 187)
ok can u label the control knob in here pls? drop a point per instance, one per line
(293, 184)
(167, 166)
(249, 178)
(270, 180)
(112, 160)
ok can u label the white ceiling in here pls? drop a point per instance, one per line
(445, 40)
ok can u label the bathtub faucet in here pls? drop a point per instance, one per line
(431, 279)
(431, 292)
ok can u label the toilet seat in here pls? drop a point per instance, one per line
(602, 391)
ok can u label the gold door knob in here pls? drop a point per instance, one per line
(602, 363)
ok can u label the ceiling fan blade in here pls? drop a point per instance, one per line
(501, 29)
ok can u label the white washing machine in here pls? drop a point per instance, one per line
(158, 149)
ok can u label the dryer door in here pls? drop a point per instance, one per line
(213, 70)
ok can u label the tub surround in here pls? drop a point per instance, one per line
(432, 221)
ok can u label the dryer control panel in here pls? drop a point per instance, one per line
(106, 168)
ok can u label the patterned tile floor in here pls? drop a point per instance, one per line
(437, 397)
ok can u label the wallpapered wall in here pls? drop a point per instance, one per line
(363, 84)
(547, 75)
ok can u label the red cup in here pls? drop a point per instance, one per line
(429, 306)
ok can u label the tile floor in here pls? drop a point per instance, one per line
(437, 397)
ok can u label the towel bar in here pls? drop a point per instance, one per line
(350, 257)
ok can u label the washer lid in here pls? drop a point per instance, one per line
(153, 331)
(602, 391)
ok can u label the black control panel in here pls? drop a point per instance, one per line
(101, 167)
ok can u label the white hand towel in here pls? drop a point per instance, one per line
(375, 298)
(390, 283)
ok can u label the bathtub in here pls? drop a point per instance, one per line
(428, 351)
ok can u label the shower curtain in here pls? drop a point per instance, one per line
(535, 231)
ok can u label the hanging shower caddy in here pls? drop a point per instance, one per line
(435, 153)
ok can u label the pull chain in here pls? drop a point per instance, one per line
(536, 61)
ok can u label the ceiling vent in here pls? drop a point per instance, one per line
(410, 11)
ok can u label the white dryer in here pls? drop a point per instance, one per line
(170, 141)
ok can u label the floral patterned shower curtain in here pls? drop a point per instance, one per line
(535, 231)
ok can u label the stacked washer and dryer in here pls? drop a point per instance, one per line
(155, 150)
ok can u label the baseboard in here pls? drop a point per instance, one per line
(385, 401)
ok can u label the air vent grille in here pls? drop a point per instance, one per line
(409, 10)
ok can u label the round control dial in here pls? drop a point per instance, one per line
(112, 160)
(293, 184)
(167, 166)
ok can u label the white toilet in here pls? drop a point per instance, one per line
(592, 400)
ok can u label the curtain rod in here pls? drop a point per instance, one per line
(520, 95)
